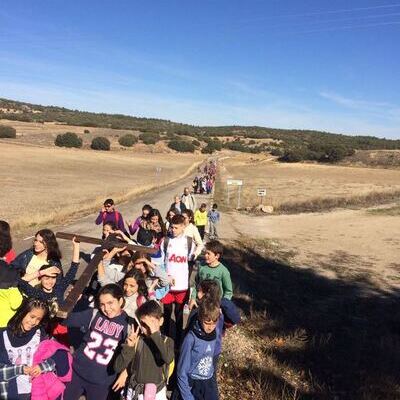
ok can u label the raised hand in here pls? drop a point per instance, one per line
(133, 337)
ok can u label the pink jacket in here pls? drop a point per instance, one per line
(49, 386)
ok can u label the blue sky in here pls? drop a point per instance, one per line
(311, 64)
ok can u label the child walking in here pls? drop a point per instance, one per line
(215, 270)
(106, 328)
(147, 357)
(200, 219)
(213, 219)
(177, 252)
(196, 367)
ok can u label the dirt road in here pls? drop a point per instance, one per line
(160, 198)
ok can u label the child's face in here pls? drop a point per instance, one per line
(32, 319)
(48, 283)
(145, 213)
(210, 257)
(140, 267)
(208, 326)
(154, 219)
(106, 230)
(200, 293)
(38, 244)
(109, 207)
(202, 209)
(131, 287)
(150, 324)
(177, 229)
(110, 306)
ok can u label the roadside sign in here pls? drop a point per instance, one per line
(234, 182)
(261, 192)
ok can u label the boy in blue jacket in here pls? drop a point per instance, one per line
(195, 366)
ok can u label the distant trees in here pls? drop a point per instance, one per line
(128, 140)
(100, 143)
(7, 132)
(68, 139)
(182, 146)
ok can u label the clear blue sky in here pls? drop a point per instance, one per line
(320, 64)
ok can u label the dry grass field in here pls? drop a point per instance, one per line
(290, 186)
(41, 185)
(317, 291)
(37, 134)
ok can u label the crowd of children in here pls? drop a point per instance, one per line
(150, 325)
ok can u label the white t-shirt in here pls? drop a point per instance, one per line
(176, 261)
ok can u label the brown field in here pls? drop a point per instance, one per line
(36, 134)
(293, 184)
(41, 185)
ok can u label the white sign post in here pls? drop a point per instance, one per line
(239, 184)
(261, 193)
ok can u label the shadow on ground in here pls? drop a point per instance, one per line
(350, 335)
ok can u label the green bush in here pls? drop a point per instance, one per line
(149, 137)
(100, 143)
(196, 143)
(68, 139)
(7, 132)
(276, 151)
(181, 146)
(333, 154)
(295, 154)
(128, 140)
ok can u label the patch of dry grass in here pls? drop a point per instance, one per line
(329, 203)
(42, 185)
(306, 336)
(306, 187)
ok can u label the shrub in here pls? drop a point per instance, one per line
(295, 154)
(181, 146)
(127, 140)
(149, 137)
(68, 139)
(7, 132)
(276, 151)
(333, 154)
(86, 131)
(100, 143)
(196, 143)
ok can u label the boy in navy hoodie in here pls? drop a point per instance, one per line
(195, 366)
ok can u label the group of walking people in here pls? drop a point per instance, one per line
(149, 324)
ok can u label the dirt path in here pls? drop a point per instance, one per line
(160, 198)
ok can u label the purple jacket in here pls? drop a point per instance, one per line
(115, 217)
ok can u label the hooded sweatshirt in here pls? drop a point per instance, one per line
(10, 296)
(196, 359)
